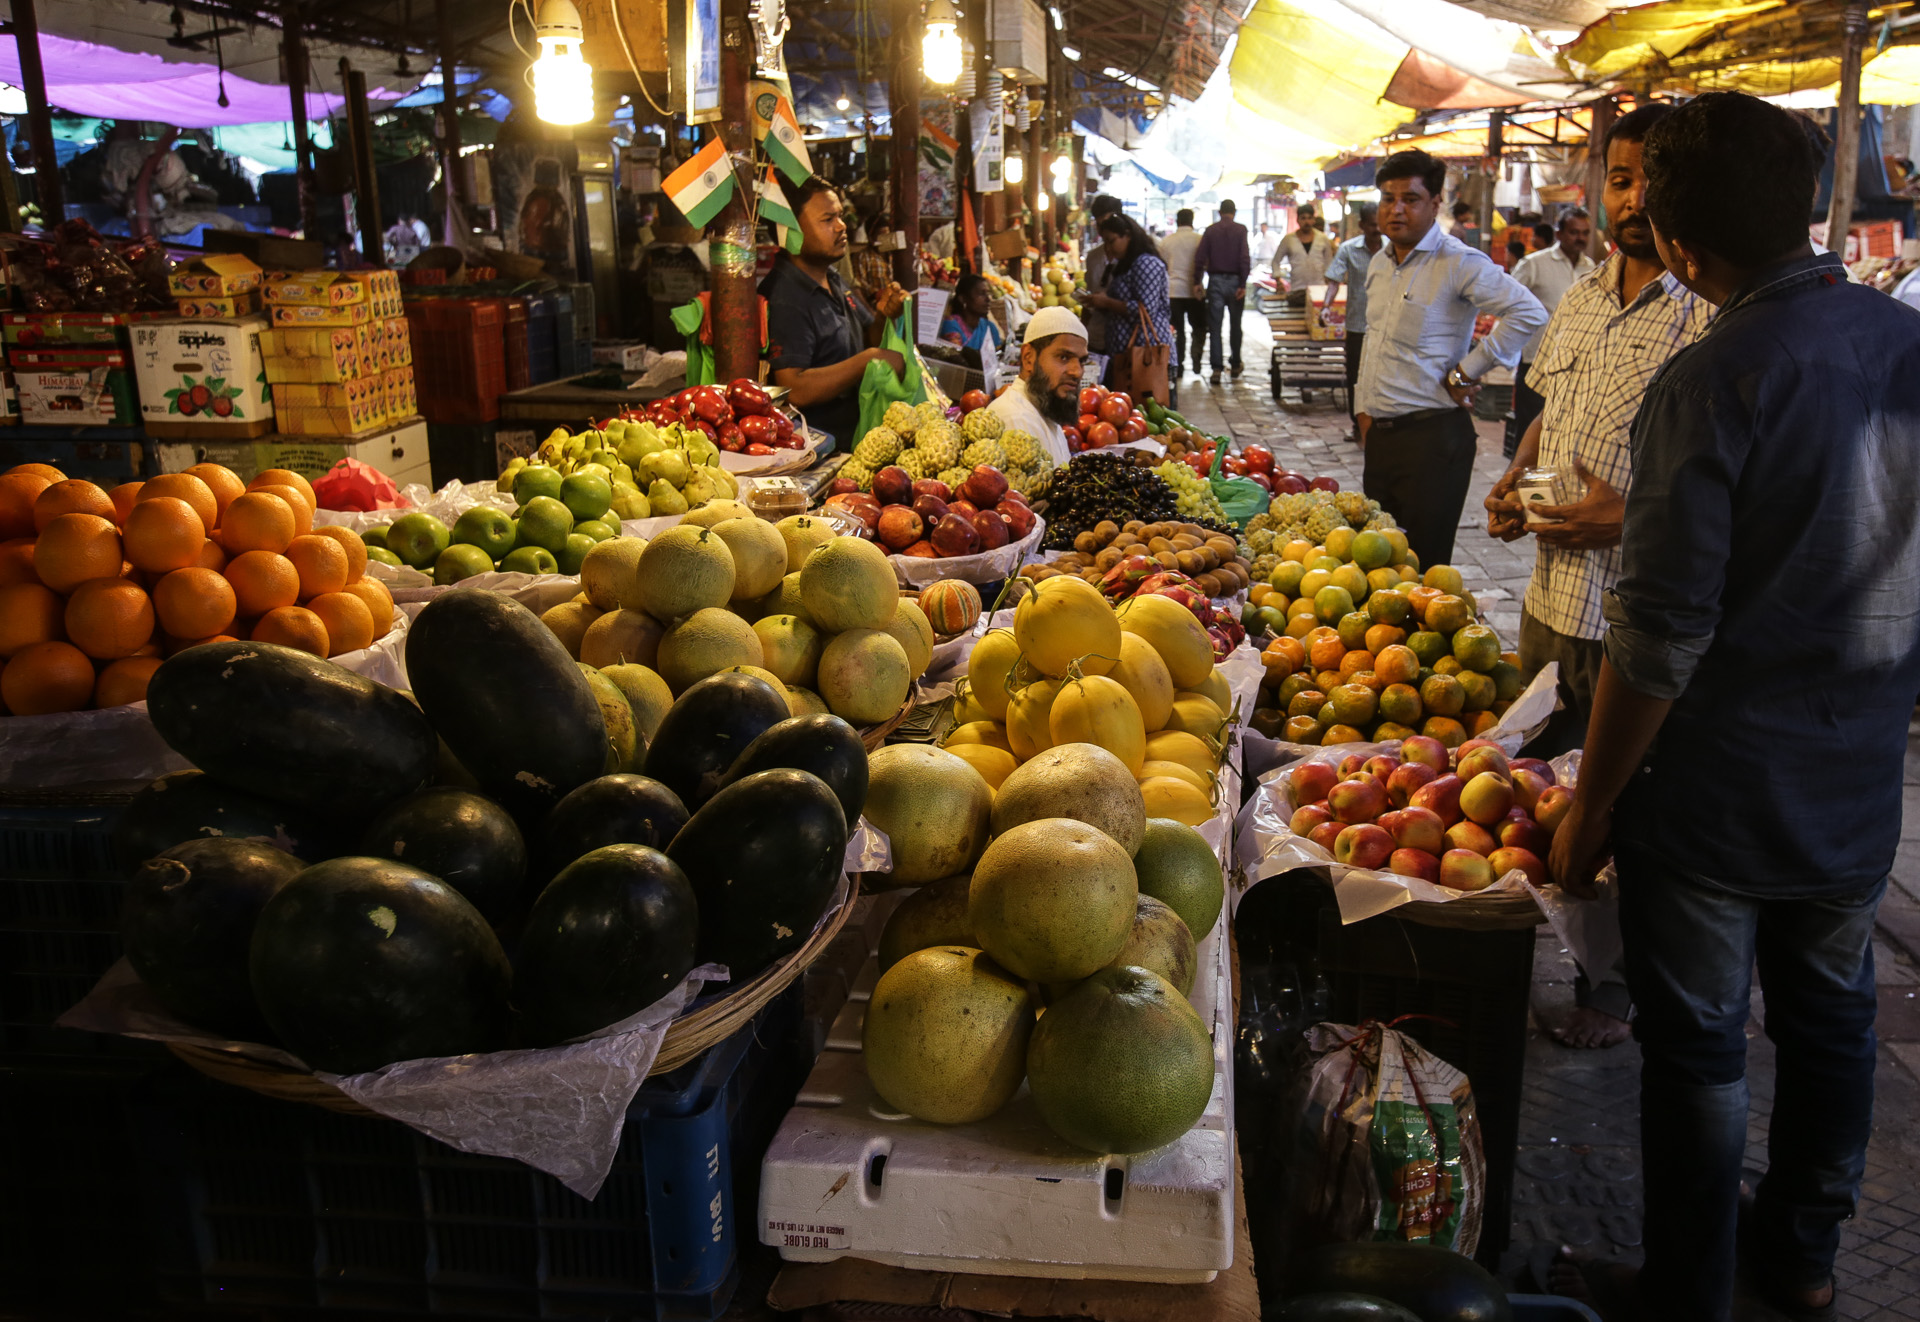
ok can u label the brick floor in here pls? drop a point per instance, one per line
(1578, 1167)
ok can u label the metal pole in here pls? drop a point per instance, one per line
(453, 226)
(1030, 190)
(735, 303)
(33, 79)
(293, 54)
(1604, 111)
(1846, 134)
(904, 99)
(366, 184)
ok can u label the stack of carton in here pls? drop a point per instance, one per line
(221, 285)
(72, 368)
(338, 356)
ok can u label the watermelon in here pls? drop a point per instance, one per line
(706, 729)
(610, 810)
(823, 744)
(465, 840)
(191, 805)
(1434, 1284)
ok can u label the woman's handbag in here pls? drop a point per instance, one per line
(1142, 371)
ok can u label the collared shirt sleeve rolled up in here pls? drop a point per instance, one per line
(1486, 288)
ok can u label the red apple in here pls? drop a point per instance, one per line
(1486, 798)
(1525, 833)
(899, 527)
(954, 535)
(1539, 768)
(1359, 800)
(893, 485)
(1308, 816)
(966, 509)
(932, 486)
(1381, 766)
(1486, 757)
(1362, 845)
(1416, 828)
(922, 550)
(1508, 860)
(1326, 833)
(1289, 484)
(1442, 795)
(1310, 781)
(1415, 863)
(1018, 497)
(1324, 484)
(1406, 778)
(929, 508)
(1422, 748)
(840, 486)
(1527, 785)
(992, 529)
(984, 486)
(1020, 519)
(1352, 763)
(1472, 835)
(1551, 808)
(1464, 870)
(1469, 745)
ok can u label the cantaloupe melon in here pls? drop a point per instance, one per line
(705, 643)
(622, 637)
(909, 627)
(684, 569)
(789, 647)
(848, 583)
(759, 556)
(864, 674)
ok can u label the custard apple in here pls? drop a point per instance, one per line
(942, 446)
(1352, 506)
(953, 477)
(859, 472)
(878, 448)
(1022, 450)
(1323, 521)
(926, 414)
(900, 419)
(915, 462)
(984, 452)
(982, 425)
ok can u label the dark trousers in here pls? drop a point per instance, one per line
(1350, 346)
(1419, 467)
(1188, 312)
(1224, 316)
(1527, 403)
(1690, 952)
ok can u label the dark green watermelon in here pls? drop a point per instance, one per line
(621, 809)
(1343, 1306)
(823, 744)
(465, 840)
(512, 705)
(187, 922)
(360, 962)
(283, 723)
(191, 805)
(764, 856)
(612, 934)
(707, 728)
(1434, 1284)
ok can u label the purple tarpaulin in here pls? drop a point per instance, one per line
(90, 79)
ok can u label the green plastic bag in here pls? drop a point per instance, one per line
(1243, 499)
(687, 319)
(879, 387)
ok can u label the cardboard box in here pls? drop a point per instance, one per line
(202, 378)
(75, 387)
(207, 308)
(362, 414)
(296, 342)
(216, 276)
(9, 401)
(270, 250)
(356, 393)
(398, 451)
(343, 365)
(47, 330)
(178, 456)
(310, 314)
(325, 289)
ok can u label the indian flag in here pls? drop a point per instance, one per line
(784, 145)
(775, 209)
(702, 186)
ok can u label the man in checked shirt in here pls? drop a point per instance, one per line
(1609, 335)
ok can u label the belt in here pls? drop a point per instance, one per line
(1223, 274)
(1412, 419)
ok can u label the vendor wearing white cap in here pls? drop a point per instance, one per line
(1046, 398)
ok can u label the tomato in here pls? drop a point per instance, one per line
(1261, 478)
(1235, 465)
(1115, 409)
(1259, 459)
(1199, 464)
(1101, 435)
(1073, 438)
(1133, 429)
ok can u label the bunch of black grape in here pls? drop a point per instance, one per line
(1100, 485)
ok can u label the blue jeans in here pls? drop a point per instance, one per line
(1219, 305)
(1690, 952)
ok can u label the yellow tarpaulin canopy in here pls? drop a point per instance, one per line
(1649, 34)
(1319, 69)
(1472, 140)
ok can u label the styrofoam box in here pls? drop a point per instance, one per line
(1004, 1196)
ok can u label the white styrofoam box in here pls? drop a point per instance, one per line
(1004, 1196)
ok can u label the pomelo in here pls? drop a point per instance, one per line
(1081, 781)
(705, 643)
(1160, 941)
(1121, 1064)
(934, 915)
(946, 1035)
(1177, 866)
(935, 809)
(864, 675)
(848, 583)
(1053, 899)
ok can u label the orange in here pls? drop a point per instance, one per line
(195, 602)
(124, 681)
(74, 548)
(45, 678)
(163, 534)
(302, 511)
(175, 646)
(29, 614)
(321, 562)
(223, 482)
(123, 498)
(183, 486)
(211, 556)
(16, 562)
(293, 626)
(263, 581)
(47, 471)
(349, 623)
(379, 603)
(109, 617)
(1354, 662)
(1325, 653)
(257, 522)
(285, 477)
(18, 491)
(74, 496)
(349, 542)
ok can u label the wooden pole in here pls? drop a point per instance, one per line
(293, 54)
(33, 79)
(736, 303)
(1030, 190)
(1604, 112)
(904, 101)
(366, 184)
(453, 222)
(1846, 133)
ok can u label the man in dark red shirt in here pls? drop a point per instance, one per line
(1225, 262)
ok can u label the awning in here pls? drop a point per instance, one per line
(1467, 136)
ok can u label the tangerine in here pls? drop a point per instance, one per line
(293, 626)
(187, 487)
(302, 511)
(210, 556)
(379, 603)
(124, 681)
(16, 562)
(109, 618)
(223, 482)
(351, 543)
(285, 477)
(163, 534)
(74, 496)
(348, 621)
(74, 548)
(194, 602)
(46, 678)
(257, 521)
(175, 646)
(47, 471)
(263, 581)
(18, 491)
(29, 613)
(321, 563)
(123, 497)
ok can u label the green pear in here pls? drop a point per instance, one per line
(700, 487)
(663, 498)
(669, 466)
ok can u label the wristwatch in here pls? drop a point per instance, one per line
(1460, 381)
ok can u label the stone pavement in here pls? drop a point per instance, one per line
(1578, 1180)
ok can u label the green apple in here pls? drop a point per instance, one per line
(461, 560)
(381, 555)
(489, 529)
(418, 539)
(573, 551)
(545, 522)
(376, 535)
(587, 494)
(536, 480)
(597, 529)
(530, 560)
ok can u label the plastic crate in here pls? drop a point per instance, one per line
(462, 451)
(60, 892)
(519, 375)
(543, 362)
(291, 1206)
(459, 357)
(584, 328)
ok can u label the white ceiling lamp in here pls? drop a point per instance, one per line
(1071, 52)
(1044, 202)
(1015, 168)
(940, 51)
(562, 79)
(841, 103)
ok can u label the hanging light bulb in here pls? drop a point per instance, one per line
(1015, 168)
(562, 80)
(1062, 173)
(940, 52)
(1045, 202)
(841, 103)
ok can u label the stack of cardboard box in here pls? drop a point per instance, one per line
(71, 368)
(338, 357)
(216, 286)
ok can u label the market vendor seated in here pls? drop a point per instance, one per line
(813, 338)
(1046, 399)
(967, 323)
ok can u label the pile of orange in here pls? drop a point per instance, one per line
(97, 586)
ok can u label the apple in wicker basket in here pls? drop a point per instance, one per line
(899, 527)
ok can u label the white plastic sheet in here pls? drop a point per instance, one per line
(986, 567)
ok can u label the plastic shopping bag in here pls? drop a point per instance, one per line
(1391, 1142)
(690, 319)
(879, 387)
(1242, 498)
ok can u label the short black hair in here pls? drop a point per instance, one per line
(1102, 204)
(1516, 245)
(1543, 234)
(963, 289)
(1429, 170)
(1227, 207)
(1367, 211)
(806, 192)
(1725, 145)
(1462, 208)
(1184, 216)
(1819, 141)
(1635, 125)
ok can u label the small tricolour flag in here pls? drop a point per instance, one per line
(702, 186)
(778, 212)
(784, 145)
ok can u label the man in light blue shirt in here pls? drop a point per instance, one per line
(1349, 268)
(1419, 368)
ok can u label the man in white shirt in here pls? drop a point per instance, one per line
(1266, 246)
(1187, 301)
(1547, 274)
(1306, 251)
(1046, 399)
(1349, 267)
(1419, 369)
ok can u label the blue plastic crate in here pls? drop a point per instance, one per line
(290, 1206)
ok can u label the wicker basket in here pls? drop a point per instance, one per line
(873, 736)
(687, 1036)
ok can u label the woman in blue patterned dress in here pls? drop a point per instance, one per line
(1136, 282)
